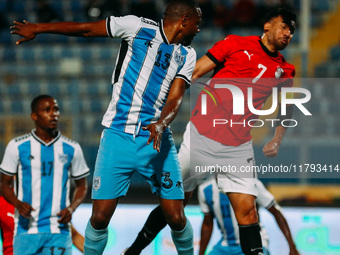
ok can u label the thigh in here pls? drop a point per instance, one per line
(162, 169)
(244, 208)
(58, 244)
(114, 165)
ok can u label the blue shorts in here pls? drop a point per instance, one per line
(220, 249)
(42, 244)
(121, 154)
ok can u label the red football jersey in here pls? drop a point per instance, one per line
(244, 63)
(7, 226)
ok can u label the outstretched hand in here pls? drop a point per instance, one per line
(271, 149)
(26, 29)
(156, 131)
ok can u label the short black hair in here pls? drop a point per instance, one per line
(289, 17)
(36, 100)
(177, 8)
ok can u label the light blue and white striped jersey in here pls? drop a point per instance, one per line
(145, 68)
(212, 201)
(43, 174)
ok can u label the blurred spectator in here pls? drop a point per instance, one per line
(45, 13)
(100, 9)
(3, 21)
(145, 8)
(244, 13)
(222, 16)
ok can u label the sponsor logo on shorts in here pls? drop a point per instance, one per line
(96, 183)
(179, 184)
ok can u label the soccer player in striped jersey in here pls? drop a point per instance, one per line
(216, 205)
(43, 162)
(153, 69)
(249, 62)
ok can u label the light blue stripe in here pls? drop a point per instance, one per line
(69, 151)
(184, 52)
(154, 85)
(139, 52)
(25, 159)
(46, 197)
(227, 220)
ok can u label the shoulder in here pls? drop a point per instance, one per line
(149, 22)
(241, 39)
(69, 141)
(190, 51)
(21, 139)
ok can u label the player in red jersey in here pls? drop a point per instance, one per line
(6, 226)
(244, 62)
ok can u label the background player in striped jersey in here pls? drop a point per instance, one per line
(216, 205)
(250, 61)
(43, 161)
(154, 67)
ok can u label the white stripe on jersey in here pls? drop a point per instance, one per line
(57, 188)
(36, 186)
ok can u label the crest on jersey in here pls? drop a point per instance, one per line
(96, 183)
(279, 72)
(63, 158)
(179, 58)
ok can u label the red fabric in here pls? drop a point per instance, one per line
(7, 226)
(242, 59)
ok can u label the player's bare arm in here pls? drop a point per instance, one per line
(275, 210)
(203, 66)
(7, 191)
(168, 113)
(30, 30)
(271, 149)
(78, 197)
(206, 231)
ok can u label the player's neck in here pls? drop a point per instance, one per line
(171, 32)
(46, 135)
(270, 47)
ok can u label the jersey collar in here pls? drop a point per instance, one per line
(269, 53)
(42, 142)
(161, 28)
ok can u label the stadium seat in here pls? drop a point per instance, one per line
(17, 107)
(335, 53)
(9, 54)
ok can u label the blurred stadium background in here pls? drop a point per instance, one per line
(78, 71)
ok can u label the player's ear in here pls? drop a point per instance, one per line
(266, 27)
(185, 20)
(34, 116)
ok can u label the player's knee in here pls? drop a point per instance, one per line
(248, 215)
(100, 220)
(176, 221)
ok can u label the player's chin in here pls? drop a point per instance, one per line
(282, 46)
(187, 42)
(53, 125)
